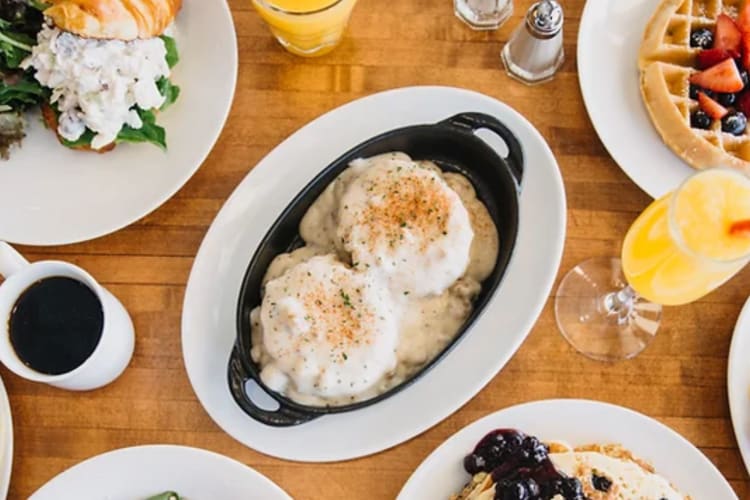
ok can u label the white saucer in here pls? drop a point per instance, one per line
(144, 471)
(576, 422)
(51, 195)
(208, 320)
(738, 382)
(608, 42)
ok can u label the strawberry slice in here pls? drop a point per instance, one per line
(712, 57)
(724, 77)
(746, 50)
(743, 20)
(740, 228)
(728, 36)
(711, 107)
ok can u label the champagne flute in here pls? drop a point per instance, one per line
(683, 246)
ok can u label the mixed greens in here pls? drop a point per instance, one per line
(20, 20)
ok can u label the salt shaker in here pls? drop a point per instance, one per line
(535, 49)
(483, 14)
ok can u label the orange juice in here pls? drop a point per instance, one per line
(683, 246)
(306, 27)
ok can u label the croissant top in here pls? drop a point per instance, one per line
(113, 19)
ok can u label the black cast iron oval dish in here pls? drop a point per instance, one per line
(453, 145)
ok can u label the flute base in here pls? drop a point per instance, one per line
(601, 316)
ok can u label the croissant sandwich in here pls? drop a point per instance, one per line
(106, 66)
(118, 19)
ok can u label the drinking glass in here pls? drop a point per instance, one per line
(306, 27)
(483, 14)
(683, 246)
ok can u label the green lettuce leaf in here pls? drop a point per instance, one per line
(173, 56)
(22, 94)
(149, 132)
(169, 90)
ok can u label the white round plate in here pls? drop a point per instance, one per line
(6, 442)
(578, 423)
(209, 310)
(738, 383)
(143, 471)
(608, 41)
(51, 195)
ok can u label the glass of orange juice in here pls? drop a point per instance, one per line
(306, 27)
(683, 246)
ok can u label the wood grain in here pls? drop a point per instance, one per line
(680, 379)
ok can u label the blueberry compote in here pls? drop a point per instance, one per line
(520, 467)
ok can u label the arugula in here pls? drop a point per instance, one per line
(25, 92)
(83, 141)
(173, 56)
(169, 90)
(149, 132)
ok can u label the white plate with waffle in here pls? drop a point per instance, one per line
(738, 383)
(609, 41)
(576, 423)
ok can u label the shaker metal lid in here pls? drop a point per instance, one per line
(545, 18)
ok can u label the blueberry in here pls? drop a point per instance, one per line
(474, 463)
(532, 487)
(694, 89)
(734, 123)
(499, 440)
(514, 442)
(745, 76)
(700, 120)
(516, 491)
(495, 452)
(702, 37)
(572, 489)
(727, 100)
(601, 483)
(536, 451)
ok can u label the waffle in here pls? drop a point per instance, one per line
(666, 60)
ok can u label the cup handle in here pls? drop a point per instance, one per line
(10, 260)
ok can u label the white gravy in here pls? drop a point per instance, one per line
(426, 324)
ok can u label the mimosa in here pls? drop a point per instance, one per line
(683, 246)
(677, 261)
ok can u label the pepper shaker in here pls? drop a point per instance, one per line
(483, 14)
(535, 52)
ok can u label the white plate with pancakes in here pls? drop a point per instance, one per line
(52, 195)
(141, 472)
(575, 423)
(210, 306)
(609, 39)
(738, 382)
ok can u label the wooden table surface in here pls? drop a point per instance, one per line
(679, 380)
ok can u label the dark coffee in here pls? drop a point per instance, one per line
(55, 325)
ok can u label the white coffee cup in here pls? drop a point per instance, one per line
(111, 355)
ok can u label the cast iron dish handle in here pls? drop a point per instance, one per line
(476, 121)
(282, 417)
